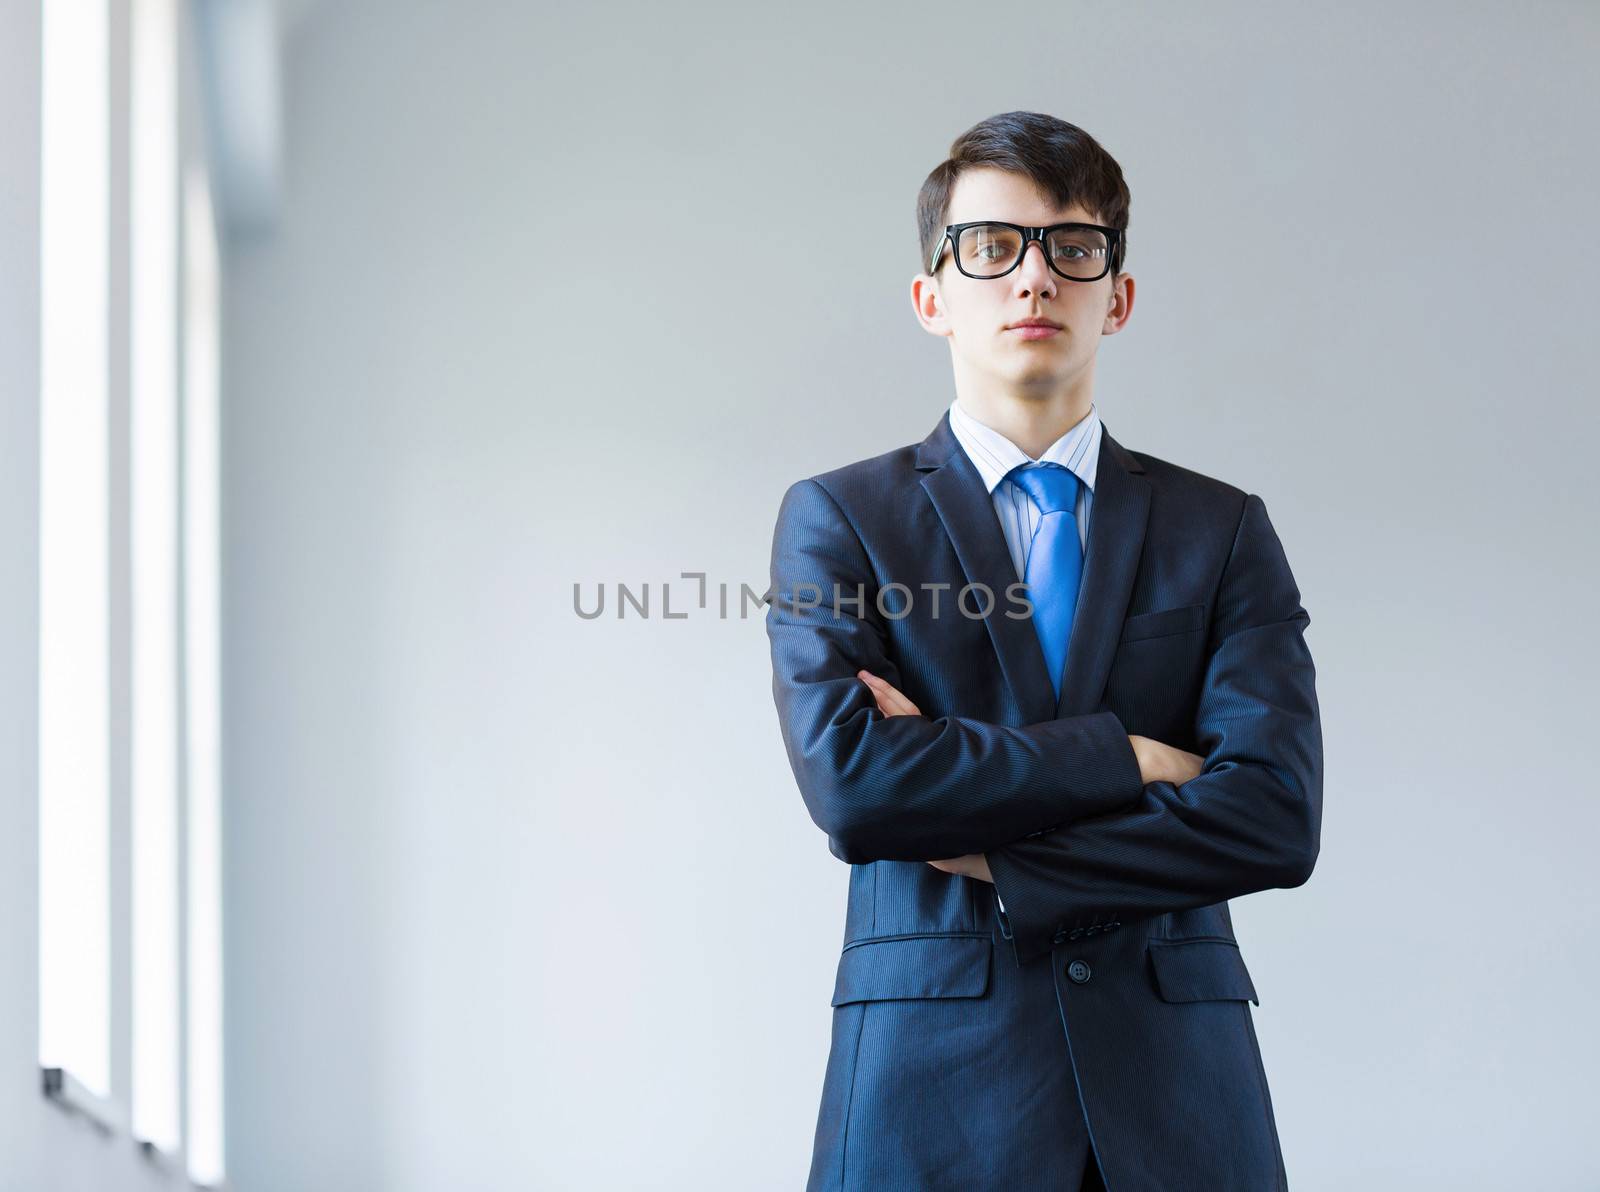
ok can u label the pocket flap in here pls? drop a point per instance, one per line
(1199, 970)
(1163, 622)
(913, 966)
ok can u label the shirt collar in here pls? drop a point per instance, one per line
(994, 455)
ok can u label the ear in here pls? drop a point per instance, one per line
(1120, 305)
(928, 304)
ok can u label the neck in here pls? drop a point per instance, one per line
(1032, 419)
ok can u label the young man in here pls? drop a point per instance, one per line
(1048, 793)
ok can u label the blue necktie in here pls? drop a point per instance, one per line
(1055, 559)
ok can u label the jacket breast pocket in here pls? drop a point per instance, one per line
(913, 966)
(1198, 970)
(1164, 622)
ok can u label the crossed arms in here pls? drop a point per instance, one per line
(1071, 828)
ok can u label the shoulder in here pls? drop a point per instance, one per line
(863, 484)
(1177, 487)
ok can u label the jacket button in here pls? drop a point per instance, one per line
(1078, 971)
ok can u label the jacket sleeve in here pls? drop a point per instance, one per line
(1251, 820)
(907, 788)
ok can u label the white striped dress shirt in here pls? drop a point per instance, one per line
(994, 455)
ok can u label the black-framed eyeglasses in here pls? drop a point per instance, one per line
(989, 248)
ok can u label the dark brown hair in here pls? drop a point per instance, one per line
(1065, 162)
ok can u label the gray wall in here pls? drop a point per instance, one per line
(517, 900)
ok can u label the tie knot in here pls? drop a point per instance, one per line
(1054, 489)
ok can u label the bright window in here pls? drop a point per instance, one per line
(74, 709)
(203, 674)
(153, 545)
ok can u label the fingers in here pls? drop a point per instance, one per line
(1160, 762)
(1195, 762)
(1141, 756)
(890, 701)
(877, 692)
(974, 865)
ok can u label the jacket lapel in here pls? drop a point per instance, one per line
(1116, 541)
(1116, 537)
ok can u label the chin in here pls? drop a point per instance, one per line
(1038, 373)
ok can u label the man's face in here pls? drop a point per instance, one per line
(976, 314)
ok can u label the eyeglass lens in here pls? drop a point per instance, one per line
(988, 250)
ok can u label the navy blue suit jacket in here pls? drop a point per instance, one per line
(1105, 1010)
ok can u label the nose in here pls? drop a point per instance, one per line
(1033, 273)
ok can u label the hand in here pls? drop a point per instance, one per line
(1165, 763)
(890, 701)
(972, 865)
